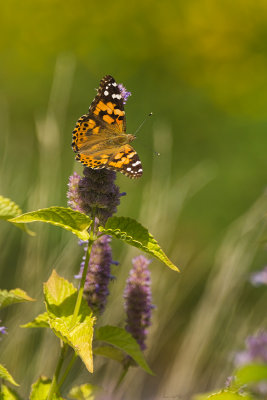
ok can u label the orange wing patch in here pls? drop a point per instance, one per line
(101, 106)
(91, 161)
(110, 114)
(108, 119)
(85, 126)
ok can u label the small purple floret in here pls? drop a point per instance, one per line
(124, 93)
(259, 278)
(229, 381)
(3, 330)
(256, 350)
(138, 300)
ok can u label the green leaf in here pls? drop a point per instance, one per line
(8, 394)
(74, 221)
(4, 374)
(13, 296)
(41, 321)
(60, 299)
(124, 341)
(40, 390)
(223, 395)
(131, 232)
(9, 209)
(109, 352)
(251, 373)
(83, 392)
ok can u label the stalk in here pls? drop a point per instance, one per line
(54, 385)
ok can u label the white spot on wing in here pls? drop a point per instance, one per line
(106, 93)
(136, 163)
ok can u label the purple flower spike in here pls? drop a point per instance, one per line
(95, 191)
(256, 350)
(124, 93)
(98, 275)
(138, 300)
(259, 278)
(98, 192)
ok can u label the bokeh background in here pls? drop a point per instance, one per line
(201, 67)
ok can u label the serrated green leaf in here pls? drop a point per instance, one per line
(133, 233)
(109, 352)
(251, 373)
(73, 221)
(13, 296)
(40, 390)
(83, 392)
(124, 341)
(41, 321)
(223, 395)
(60, 299)
(4, 374)
(8, 394)
(9, 209)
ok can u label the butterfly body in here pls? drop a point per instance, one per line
(100, 139)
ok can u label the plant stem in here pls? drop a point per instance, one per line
(67, 370)
(83, 279)
(53, 386)
(121, 377)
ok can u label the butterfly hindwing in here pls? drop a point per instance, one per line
(127, 161)
(122, 159)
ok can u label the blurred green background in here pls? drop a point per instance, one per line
(200, 66)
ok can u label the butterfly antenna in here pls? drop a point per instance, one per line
(140, 126)
(142, 123)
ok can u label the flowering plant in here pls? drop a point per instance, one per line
(71, 313)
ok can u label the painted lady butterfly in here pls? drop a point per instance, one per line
(100, 139)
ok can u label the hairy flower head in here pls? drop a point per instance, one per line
(96, 192)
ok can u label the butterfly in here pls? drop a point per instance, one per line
(100, 139)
